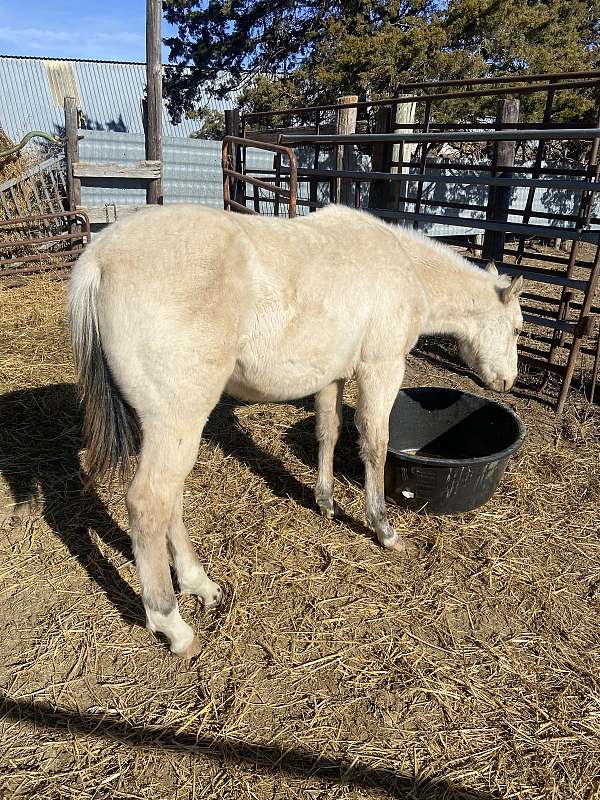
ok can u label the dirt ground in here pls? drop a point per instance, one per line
(333, 669)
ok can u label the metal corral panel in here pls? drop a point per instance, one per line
(192, 169)
(559, 201)
(32, 92)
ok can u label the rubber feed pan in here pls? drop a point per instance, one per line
(448, 449)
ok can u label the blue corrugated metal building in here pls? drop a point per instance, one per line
(109, 93)
(191, 169)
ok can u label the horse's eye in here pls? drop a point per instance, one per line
(517, 331)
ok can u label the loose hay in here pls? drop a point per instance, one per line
(334, 669)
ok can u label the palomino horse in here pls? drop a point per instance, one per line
(175, 305)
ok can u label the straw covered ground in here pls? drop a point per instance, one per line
(333, 669)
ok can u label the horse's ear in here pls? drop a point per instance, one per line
(491, 267)
(513, 290)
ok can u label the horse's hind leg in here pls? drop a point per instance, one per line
(328, 403)
(169, 450)
(190, 573)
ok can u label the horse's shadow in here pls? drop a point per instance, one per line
(40, 442)
(224, 430)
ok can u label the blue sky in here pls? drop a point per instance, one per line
(101, 29)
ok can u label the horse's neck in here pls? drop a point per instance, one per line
(455, 294)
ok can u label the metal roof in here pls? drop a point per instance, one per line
(109, 93)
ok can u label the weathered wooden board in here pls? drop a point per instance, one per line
(142, 170)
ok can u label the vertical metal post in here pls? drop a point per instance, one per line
(232, 128)
(575, 347)
(380, 159)
(499, 196)
(313, 181)
(277, 167)
(535, 173)
(403, 114)
(226, 164)
(423, 161)
(293, 184)
(256, 196)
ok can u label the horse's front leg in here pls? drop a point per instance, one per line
(378, 385)
(328, 404)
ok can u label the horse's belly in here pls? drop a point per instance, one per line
(279, 378)
(293, 349)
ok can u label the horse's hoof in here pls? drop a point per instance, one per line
(404, 547)
(327, 508)
(214, 598)
(399, 544)
(193, 649)
(208, 591)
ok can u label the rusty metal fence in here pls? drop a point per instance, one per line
(568, 312)
(495, 158)
(42, 242)
(436, 102)
(236, 180)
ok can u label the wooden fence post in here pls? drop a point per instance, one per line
(499, 196)
(380, 159)
(345, 124)
(72, 152)
(154, 192)
(404, 115)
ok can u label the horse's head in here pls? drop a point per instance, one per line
(490, 344)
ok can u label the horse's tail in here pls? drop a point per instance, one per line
(110, 426)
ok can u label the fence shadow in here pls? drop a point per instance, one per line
(267, 759)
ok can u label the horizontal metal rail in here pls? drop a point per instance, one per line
(42, 217)
(510, 211)
(69, 255)
(288, 196)
(53, 258)
(540, 76)
(541, 231)
(537, 275)
(489, 167)
(556, 85)
(57, 267)
(42, 240)
(543, 322)
(510, 135)
(268, 187)
(464, 180)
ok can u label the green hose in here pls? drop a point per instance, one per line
(4, 154)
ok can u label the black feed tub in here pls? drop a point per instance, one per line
(448, 449)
